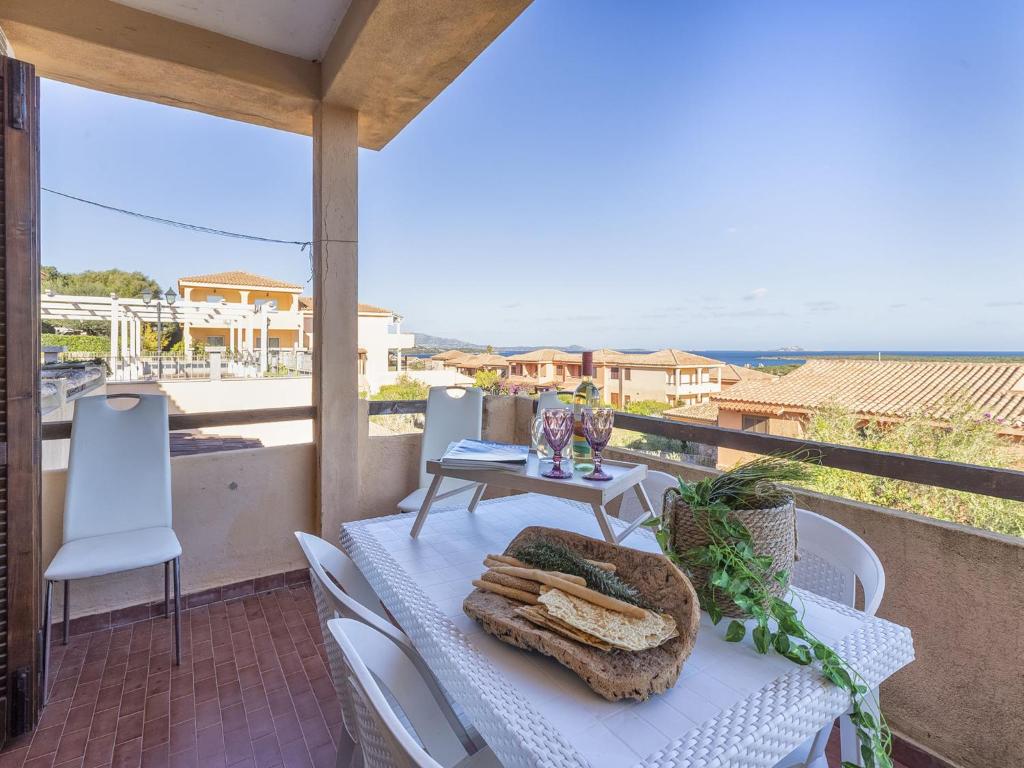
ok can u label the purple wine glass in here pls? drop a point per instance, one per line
(557, 429)
(597, 428)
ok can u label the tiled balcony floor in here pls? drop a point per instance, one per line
(253, 691)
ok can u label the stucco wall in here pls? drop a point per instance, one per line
(202, 396)
(958, 589)
(234, 513)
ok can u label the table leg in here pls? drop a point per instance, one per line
(648, 508)
(602, 521)
(477, 495)
(428, 500)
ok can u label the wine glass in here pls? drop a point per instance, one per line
(557, 429)
(597, 428)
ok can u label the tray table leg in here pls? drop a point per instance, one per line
(648, 514)
(428, 500)
(602, 521)
(477, 495)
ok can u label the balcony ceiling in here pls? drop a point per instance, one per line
(302, 28)
(267, 62)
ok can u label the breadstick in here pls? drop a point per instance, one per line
(514, 582)
(490, 562)
(569, 587)
(610, 567)
(513, 594)
(507, 560)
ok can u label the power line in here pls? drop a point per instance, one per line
(302, 244)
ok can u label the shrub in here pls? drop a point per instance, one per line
(403, 389)
(94, 345)
(647, 407)
(960, 434)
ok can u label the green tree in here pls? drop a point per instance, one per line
(93, 283)
(647, 407)
(96, 282)
(959, 434)
(403, 389)
(150, 336)
(486, 380)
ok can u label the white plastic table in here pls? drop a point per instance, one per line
(730, 708)
(595, 493)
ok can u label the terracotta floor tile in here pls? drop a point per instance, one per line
(156, 757)
(72, 746)
(103, 723)
(128, 728)
(183, 737)
(187, 759)
(127, 754)
(183, 708)
(99, 751)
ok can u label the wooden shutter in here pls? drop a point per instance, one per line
(20, 452)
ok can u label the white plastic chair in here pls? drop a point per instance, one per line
(341, 591)
(452, 414)
(117, 506)
(833, 559)
(377, 667)
(655, 485)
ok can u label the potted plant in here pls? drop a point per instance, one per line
(734, 534)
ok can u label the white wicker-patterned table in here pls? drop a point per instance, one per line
(730, 708)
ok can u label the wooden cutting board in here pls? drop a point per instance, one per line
(613, 674)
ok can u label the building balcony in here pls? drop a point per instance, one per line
(703, 388)
(256, 660)
(397, 340)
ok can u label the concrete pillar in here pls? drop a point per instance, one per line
(125, 320)
(114, 323)
(335, 358)
(243, 297)
(264, 341)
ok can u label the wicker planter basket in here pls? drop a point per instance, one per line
(773, 532)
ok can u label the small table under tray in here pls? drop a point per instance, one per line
(596, 493)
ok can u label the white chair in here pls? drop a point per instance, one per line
(833, 559)
(379, 673)
(117, 506)
(655, 485)
(341, 591)
(452, 414)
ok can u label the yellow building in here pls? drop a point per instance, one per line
(277, 304)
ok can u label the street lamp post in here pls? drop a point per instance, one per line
(169, 296)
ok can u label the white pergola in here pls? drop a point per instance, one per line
(126, 317)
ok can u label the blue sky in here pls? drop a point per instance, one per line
(702, 175)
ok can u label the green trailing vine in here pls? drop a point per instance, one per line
(742, 577)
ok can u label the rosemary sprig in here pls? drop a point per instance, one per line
(549, 556)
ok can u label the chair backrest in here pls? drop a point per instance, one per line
(341, 591)
(119, 467)
(833, 559)
(376, 667)
(655, 486)
(452, 414)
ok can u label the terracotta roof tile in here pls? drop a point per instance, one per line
(235, 277)
(547, 355)
(705, 412)
(306, 304)
(888, 388)
(737, 373)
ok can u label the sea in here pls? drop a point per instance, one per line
(758, 358)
